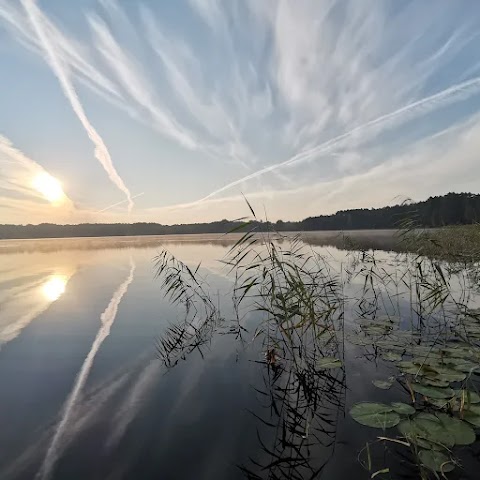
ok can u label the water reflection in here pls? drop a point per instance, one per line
(79, 395)
(55, 287)
(107, 319)
(28, 291)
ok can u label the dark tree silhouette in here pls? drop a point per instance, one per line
(450, 209)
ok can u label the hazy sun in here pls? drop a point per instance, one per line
(49, 187)
(54, 288)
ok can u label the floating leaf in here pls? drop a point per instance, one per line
(392, 356)
(435, 381)
(473, 408)
(403, 408)
(459, 351)
(384, 384)
(472, 418)
(407, 366)
(377, 415)
(329, 362)
(463, 365)
(426, 427)
(449, 374)
(462, 433)
(422, 443)
(433, 392)
(468, 396)
(439, 402)
(359, 340)
(390, 344)
(436, 461)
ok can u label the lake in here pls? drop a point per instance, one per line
(86, 392)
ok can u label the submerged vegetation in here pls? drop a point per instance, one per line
(414, 314)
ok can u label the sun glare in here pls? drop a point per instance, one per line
(54, 288)
(49, 187)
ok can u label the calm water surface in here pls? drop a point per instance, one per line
(84, 395)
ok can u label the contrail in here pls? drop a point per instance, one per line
(119, 203)
(107, 319)
(61, 72)
(472, 84)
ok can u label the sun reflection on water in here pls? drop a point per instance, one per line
(54, 288)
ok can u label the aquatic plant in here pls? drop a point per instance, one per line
(414, 314)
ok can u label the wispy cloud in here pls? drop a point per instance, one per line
(61, 72)
(17, 192)
(284, 96)
(367, 130)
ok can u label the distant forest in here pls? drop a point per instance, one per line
(450, 209)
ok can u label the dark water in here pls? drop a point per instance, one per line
(84, 394)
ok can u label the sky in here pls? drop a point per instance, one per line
(174, 111)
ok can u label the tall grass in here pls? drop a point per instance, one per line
(414, 301)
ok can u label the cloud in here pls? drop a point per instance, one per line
(283, 96)
(384, 122)
(17, 192)
(61, 72)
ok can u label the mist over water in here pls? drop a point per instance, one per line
(82, 378)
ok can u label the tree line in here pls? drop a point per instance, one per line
(450, 209)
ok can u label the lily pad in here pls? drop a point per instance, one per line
(468, 396)
(433, 392)
(462, 433)
(427, 428)
(407, 366)
(359, 340)
(472, 418)
(329, 362)
(463, 365)
(439, 402)
(403, 408)
(473, 408)
(392, 356)
(449, 374)
(436, 461)
(384, 384)
(377, 415)
(435, 382)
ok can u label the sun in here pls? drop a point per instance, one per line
(49, 187)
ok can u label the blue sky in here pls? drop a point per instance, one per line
(169, 110)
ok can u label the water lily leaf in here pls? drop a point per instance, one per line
(435, 381)
(426, 428)
(390, 344)
(465, 366)
(422, 443)
(468, 396)
(384, 384)
(377, 415)
(436, 461)
(433, 392)
(472, 418)
(459, 351)
(439, 402)
(392, 356)
(449, 374)
(473, 408)
(407, 366)
(403, 408)
(462, 433)
(359, 340)
(329, 362)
